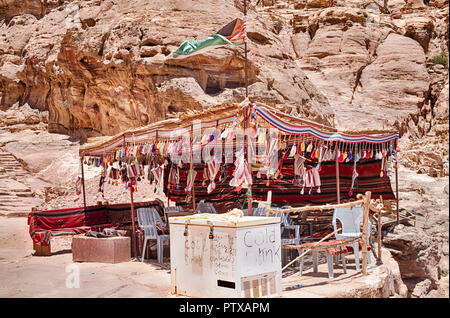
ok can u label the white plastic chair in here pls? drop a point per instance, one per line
(256, 211)
(171, 209)
(287, 225)
(351, 219)
(206, 207)
(148, 218)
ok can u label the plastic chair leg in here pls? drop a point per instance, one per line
(315, 261)
(300, 267)
(356, 251)
(160, 250)
(143, 250)
(330, 265)
(344, 263)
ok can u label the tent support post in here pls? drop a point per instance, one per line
(247, 143)
(191, 168)
(245, 47)
(396, 192)
(365, 230)
(82, 181)
(338, 187)
(133, 226)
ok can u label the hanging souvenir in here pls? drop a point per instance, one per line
(224, 134)
(213, 169)
(205, 171)
(349, 156)
(262, 136)
(354, 177)
(293, 151)
(241, 175)
(330, 154)
(158, 174)
(100, 184)
(340, 156)
(169, 179)
(319, 152)
(344, 154)
(313, 153)
(78, 186)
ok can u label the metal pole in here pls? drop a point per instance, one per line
(245, 47)
(82, 181)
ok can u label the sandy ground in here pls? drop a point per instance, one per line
(25, 275)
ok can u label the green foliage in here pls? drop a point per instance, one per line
(440, 59)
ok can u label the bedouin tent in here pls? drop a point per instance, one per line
(300, 161)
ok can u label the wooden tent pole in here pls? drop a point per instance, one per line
(246, 145)
(396, 191)
(338, 188)
(379, 230)
(133, 225)
(82, 181)
(245, 47)
(191, 168)
(364, 231)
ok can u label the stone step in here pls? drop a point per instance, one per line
(21, 190)
(25, 195)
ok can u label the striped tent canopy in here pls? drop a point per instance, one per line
(222, 116)
(301, 177)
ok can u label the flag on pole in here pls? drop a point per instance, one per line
(232, 33)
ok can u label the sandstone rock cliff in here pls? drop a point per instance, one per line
(100, 67)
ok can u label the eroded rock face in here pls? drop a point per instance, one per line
(37, 8)
(417, 254)
(397, 80)
(365, 61)
(425, 133)
(100, 67)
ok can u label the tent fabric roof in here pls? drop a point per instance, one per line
(223, 115)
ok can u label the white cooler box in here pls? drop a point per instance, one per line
(218, 259)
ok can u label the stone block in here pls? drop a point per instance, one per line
(101, 250)
(41, 250)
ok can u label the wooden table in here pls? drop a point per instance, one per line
(323, 246)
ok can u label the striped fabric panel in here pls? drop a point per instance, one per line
(45, 224)
(290, 128)
(283, 191)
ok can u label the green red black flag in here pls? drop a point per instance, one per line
(232, 33)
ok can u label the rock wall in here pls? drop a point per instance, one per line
(100, 67)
